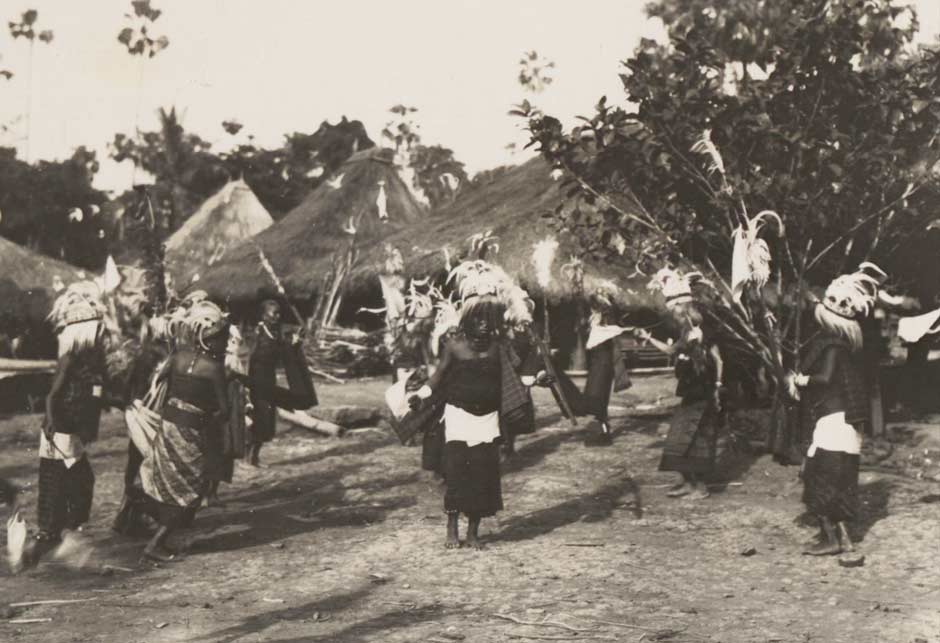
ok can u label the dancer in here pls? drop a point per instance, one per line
(73, 410)
(606, 368)
(272, 349)
(691, 444)
(831, 387)
(483, 398)
(174, 469)
(228, 444)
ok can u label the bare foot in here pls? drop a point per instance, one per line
(453, 536)
(699, 494)
(213, 501)
(159, 555)
(682, 490)
(474, 542)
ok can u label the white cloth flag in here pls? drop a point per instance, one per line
(912, 329)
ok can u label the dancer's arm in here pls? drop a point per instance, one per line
(58, 383)
(826, 372)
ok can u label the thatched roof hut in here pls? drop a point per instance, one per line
(512, 205)
(230, 216)
(366, 190)
(27, 281)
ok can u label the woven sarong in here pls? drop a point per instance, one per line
(174, 471)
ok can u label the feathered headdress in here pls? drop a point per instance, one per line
(750, 259)
(476, 279)
(480, 278)
(205, 320)
(675, 287)
(853, 296)
(81, 302)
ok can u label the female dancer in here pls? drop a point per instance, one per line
(73, 412)
(832, 390)
(174, 469)
(691, 443)
(484, 400)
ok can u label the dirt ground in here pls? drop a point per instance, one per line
(341, 540)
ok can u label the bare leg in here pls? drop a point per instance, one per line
(453, 536)
(473, 533)
(156, 550)
(212, 498)
(830, 545)
(606, 438)
(699, 490)
(844, 538)
(683, 489)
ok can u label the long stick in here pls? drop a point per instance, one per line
(550, 369)
(52, 602)
(269, 270)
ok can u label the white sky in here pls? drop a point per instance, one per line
(280, 66)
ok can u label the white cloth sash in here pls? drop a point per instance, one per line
(833, 433)
(461, 426)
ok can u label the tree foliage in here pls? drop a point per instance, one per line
(52, 207)
(820, 111)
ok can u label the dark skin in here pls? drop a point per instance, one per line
(691, 485)
(271, 318)
(463, 347)
(210, 367)
(834, 538)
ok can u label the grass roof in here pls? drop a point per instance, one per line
(300, 245)
(26, 280)
(512, 205)
(227, 218)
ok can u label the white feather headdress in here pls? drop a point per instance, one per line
(853, 296)
(675, 286)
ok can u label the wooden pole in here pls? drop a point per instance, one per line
(550, 369)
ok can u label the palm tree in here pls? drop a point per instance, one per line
(26, 28)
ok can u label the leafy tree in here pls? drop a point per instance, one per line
(437, 173)
(535, 72)
(52, 207)
(184, 169)
(283, 176)
(433, 171)
(819, 111)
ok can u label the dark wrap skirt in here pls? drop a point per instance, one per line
(692, 442)
(830, 485)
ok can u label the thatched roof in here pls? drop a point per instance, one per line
(26, 281)
(230, 216)
(511, 205)
(300, 245)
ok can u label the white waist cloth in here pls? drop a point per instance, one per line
(833, 433)
(460, 426)
(64, 446)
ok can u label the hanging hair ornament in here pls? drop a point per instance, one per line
(750, 259)
(205, 320)
(79, 303)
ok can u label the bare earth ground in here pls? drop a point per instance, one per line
(341, 540)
